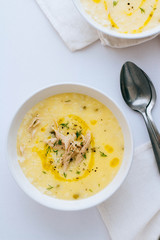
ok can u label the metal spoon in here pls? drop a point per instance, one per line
(139, 94)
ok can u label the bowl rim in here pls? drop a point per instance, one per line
(145, 34)
(59, 204)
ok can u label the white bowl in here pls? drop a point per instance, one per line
(113, 33)
(18, 174)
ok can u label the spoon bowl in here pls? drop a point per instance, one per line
(132, 79)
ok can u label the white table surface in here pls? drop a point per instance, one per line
(32, 56)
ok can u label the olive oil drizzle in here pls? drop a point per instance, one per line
(113, 24)
(48, 167)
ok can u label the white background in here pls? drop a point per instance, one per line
(32, 56)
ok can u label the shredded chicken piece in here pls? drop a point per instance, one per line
(72, 148)
(55, 124)
(51, 142)
(32, 127)
(69, 139)
(21, 149)
(34, 123)
(84, 148)
(33, 132)
(66, 159)
(65, 139)
(59, 135)
(70, 153)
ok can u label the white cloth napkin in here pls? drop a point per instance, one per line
(74, 30)
(133, 212)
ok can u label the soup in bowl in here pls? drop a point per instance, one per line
(69, 147)
(123, 19)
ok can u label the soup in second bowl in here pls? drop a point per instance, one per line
(124, 16)
(70, 146)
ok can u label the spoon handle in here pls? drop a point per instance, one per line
(153, 126)
(155, 144)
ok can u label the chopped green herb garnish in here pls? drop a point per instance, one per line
(142, 10)
(47, 150)
(78, 172)
(90, 190)
(50, 187)
(65, 125)
(68, 101)
(98, 184)
(56, 151)
(44, 172)
(103, 154)
(78, 133)
(81, 144)
(115, 3)
(59, 142)
(65, 175)
(84, 155)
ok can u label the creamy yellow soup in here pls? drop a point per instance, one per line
(70, 146)
(124, 16)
